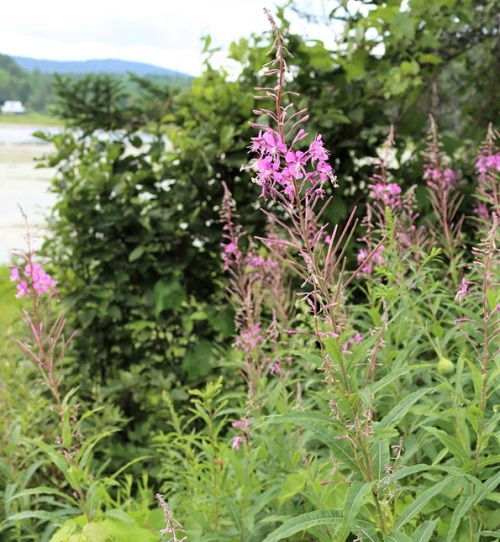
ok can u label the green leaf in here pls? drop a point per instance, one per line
(58, 459)
(84, 454)
(31, 514)
(397, 537)
(308, 356)
(305, 522)
(43, 490)
(309, 421)
(425, 531)
(294, 483)
(402, 408)
(460, 511)
(414, 508)
(373, 390)
(429, 58)
(136, 254)
(451, 444)
(381, 458)
(167, 295)
(196, 362)
(354, 500)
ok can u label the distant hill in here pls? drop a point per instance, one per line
(112, 66)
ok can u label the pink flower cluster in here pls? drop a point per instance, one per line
(262, 264)
(282, 169)
(488, 166)
(387, 194)
(238, 440)
(488, 163)
(440, 179)
(250, 338)
(482, 211)
(230, 253)
(376, 259)
(32, 278)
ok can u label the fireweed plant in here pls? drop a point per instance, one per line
(372, 445)
(389, 210)
(260, 296)
(77, 486)
(365, 403)
(444, 197)
(488, 187)
(295, 180)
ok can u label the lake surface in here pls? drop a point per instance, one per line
(21, 184)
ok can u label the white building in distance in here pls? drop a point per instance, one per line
(13, 106)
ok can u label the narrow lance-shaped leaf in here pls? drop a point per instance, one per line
(304, 522)
(353, 502)
(416, 506)
(402, 408)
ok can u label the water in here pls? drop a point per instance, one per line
(21, 184)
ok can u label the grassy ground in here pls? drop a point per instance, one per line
(9, 320)
(8, 302)
(29, 118)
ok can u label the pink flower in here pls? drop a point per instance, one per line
(440, 179)
(281, 169)
(33, 276)
(485, 163)
(357, 337)
(250, 338)
(14, 274)
(387, 194)
(376, 258)
(236, 442)
(296, 162)
(464, 285)
(275, 369)
(266, 166)
(290, 190)
(230, 253)
(231, 248)
(274, 142)
(482, 211)
(242, 424)
(317, 150)
(261, 263)
(22, 289)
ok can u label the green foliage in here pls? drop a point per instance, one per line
(425, 440)
(406, 451)
(105, 102)
(136, 216)
(136, 264)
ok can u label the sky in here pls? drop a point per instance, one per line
(165, 33)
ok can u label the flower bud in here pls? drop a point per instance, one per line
(445, 366)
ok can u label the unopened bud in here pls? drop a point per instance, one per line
(445, 366)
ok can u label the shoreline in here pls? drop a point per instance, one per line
(22, 183)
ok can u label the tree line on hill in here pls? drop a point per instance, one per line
(39, 91)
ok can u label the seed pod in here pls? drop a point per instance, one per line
(445, 366)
